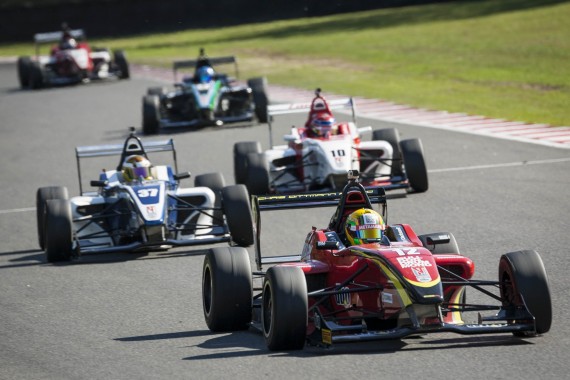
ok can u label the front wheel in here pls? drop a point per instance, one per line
(236, 206)
(59, 230)
(43, 195)
(523, 281)
(284, 308)
(416, 171)
(36, 80)
(227, 289)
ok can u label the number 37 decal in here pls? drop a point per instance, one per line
(144, 193)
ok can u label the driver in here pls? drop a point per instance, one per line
(67, 41)
(136, 168)
(204, 74)
(321, 125)
(364, 226)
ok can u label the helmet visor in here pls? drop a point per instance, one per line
(369, 232)
(141, 172)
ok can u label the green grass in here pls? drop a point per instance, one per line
(507, 59)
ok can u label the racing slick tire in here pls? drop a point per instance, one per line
(241, 150)
(24, 64)
(156, 91)
(413, 154)
(59, 230)
(122, 64)
(260, 99)
(392, 136)
(36, 80)
(151, 114)
(257, 181)
(215, 182)
(522, 273)
(284, 308)
(236, 206)
(447, 248)
(227, 289)
(44, 194)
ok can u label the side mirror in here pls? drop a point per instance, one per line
(327, 245)
(290, 138)
(438, 239)
(363, 130)
(98, 183)
(182, 175)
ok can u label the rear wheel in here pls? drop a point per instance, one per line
(151, 114)
(24, 66)
(241, 150)
(259, 91)
(257, 181)
(122, 64)
(523, 281)
(284, 308)
(215, 182)
(43, 195)
(227, 289)
(236, 206)
(416, 171)
(58, 232)
(392, 136)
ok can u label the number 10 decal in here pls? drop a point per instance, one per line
(338, 153)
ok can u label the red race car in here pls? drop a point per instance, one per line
(71, 61)
(362, 280)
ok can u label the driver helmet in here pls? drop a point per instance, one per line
(68, 43)
(136, 167)
(322, 124)
(364, 226)
(205, 74)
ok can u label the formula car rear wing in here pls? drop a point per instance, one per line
(212, 61)
(132, 145)
(40, 38)
(342, 199)
(291, 108)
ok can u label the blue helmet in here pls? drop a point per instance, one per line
(205, 74)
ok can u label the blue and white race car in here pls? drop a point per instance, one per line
(205, 98)
(132, 213)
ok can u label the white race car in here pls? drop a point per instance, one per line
(71, 61)
(142, 214)
(312, 161)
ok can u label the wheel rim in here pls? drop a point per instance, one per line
(267, 311)
(207, 296)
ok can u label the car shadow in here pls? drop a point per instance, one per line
(37, 257)
(253, 341)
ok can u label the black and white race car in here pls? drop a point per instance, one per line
(204, 98)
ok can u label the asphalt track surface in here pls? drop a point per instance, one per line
(140, 317)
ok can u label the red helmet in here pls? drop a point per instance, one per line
(321, 124)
